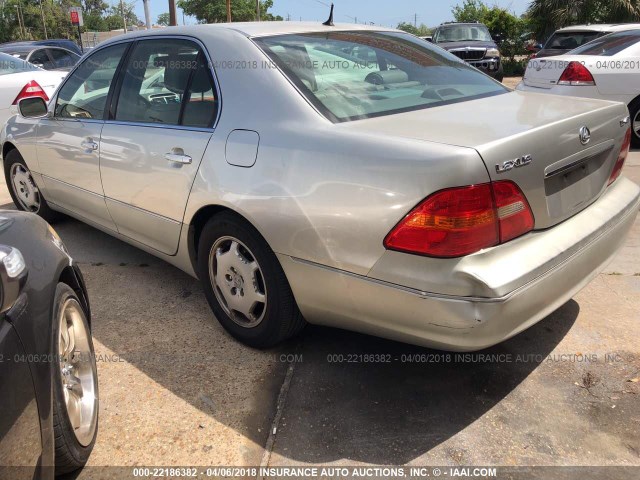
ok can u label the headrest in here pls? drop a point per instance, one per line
(177, 71)
(386, 77)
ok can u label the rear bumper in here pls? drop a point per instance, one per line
(555, 264)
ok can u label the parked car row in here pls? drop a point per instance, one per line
(357, 184)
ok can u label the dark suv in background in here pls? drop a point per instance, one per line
(473, 43)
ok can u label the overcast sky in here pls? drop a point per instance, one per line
(382, 12)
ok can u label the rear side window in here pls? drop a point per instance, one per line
(609, 45)
(355, 75)
(84, 94)
(167, 81)
(201, 104)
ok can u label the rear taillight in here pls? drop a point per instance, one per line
(463, 220)
(576, 74)
(31, 89)
(622, 156)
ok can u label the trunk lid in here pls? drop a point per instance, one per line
(563, 176)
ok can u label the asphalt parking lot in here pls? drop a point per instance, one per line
(175, 389)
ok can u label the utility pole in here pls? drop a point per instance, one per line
(147, 14)
(173, 21)
(44, 24)
(258, 9)
(415, 20)
(229, 11)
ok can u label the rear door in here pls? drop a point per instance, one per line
(68, 144)
(161, 122)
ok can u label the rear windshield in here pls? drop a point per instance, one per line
(355, 75)
(10, 64)
(610, 44)
(571, 40)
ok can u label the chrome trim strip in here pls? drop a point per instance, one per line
(147, 212)
(571, 165)
(72, 186)
(158, 125)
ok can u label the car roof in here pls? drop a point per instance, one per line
(256, 29)
(606, 27)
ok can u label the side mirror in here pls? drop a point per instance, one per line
(32, 107)
(497, 38)
(13, 275)
(539, 46)
(429, 39)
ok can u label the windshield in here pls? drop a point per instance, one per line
(609, 45)
(355, 75)
(463, 33)
(10, 64)
(570, 40)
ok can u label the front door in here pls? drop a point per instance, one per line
(69, 143)
(151, 150)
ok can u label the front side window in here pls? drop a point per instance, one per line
(355, 75)
(84, 94)
(609, 45)
(156, 84)
(41, 59)
(62, 58)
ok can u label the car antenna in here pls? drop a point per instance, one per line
(329, 23)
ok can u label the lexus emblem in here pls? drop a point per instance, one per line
(585, 135)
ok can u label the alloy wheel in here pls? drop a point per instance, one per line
(238, 282)
(25, 188)
(636, 124)
(78, 372)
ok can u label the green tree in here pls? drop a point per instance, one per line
(421, 31)
(215, 11)
(163, 19)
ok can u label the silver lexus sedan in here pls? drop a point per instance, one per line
(349, 176)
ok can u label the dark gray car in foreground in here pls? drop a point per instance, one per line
(48, 380)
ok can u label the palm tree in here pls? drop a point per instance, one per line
(555, 14)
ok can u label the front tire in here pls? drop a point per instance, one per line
(23, 189)
(75, 383)
(245, 284)
(634, 113)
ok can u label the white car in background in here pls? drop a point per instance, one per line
(607, 68)
(20, 79)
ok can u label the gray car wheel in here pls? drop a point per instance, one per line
(75, 383)
(245, 284)
(23, 189)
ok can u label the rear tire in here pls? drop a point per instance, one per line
(245, 284)
(634, 112)
(75, 383)
(25, 194)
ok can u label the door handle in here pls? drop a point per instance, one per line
(89, 145)
(178, 158)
